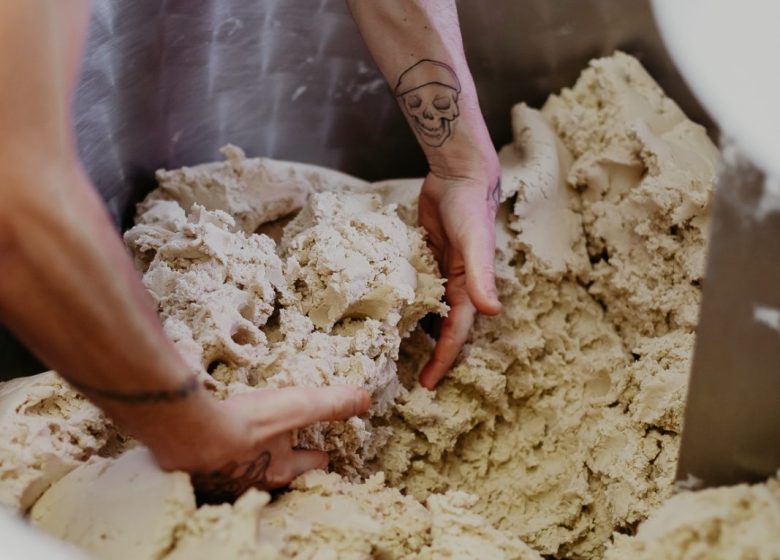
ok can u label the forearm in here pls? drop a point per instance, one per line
(418, 47)
(68, 289)
(67, 285)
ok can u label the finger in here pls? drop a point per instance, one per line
(478, 247)
(454, 331)
(288, 409)
(295, 464)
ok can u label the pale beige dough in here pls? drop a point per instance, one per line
(215, 286)
(646, 175)
(732, 523)
(129, 508)
(123, 508)
(252, 190)
(46, 430)
(560, 423)
(563, 414)
(330, 306)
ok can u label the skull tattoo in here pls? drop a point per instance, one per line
(428, 92)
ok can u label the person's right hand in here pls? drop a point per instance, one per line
(247, 440)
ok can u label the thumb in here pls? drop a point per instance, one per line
(283, 410)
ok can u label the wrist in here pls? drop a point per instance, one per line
(470, 155)
(475, 165)
(166, 426)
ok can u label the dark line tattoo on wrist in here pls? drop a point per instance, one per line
(187, 388)
(428, 92)
(494, 195)
(232, 480)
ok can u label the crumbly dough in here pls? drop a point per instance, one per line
(732, 523)
(323, 516)
(351, 257)
(563, 413)
(556, 432)
(215, 286)
(646, 173)
(252, 190)
(46, 430)
(331, 306)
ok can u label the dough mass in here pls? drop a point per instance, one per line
(556, 432)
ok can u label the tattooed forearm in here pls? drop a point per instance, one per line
(494, 195)
(232, 480)
(187, 388)
(428, 92)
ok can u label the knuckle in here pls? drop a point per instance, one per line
(448, 338)
(333, 407)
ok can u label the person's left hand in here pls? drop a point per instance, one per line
(459, 216)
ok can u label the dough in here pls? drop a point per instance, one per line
(252, 190)
(557, 431)
(215, 286)
(128, 508)
(731, 523)
(123, 508)
(330, 306)
(564, 412)
(46, 430)
(646, 173)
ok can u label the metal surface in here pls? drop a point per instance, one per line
(732, 420)
(167, 82)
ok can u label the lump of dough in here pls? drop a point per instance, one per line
(352, 281)
(117, 508)
(563, 413)
(215, 286)
(360, 279)
(348, 256)
(254, 191)
(46, 430)
(645, 173)
(225, 531)
(534, 171)
(460, 534)
(727, 523)
(324, 516)
(129, 508)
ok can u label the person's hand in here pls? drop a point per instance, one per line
(459, 216)
(248, 440)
